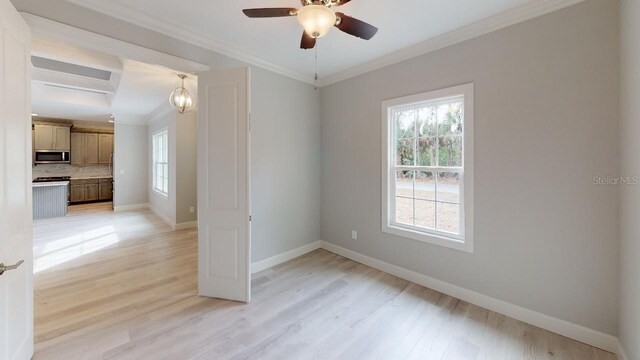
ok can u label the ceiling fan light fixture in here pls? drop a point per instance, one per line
(316, 20)
(180, 98)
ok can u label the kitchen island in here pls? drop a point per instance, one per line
(50, 199)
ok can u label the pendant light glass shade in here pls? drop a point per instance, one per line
(316, 20)
(180, 98)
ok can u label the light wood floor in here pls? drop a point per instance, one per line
(123, 286)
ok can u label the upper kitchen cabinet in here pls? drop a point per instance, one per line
(62, 138)
(88, 148)
(77, 148)
(91, 149)
(105, 148)
(52, 137)
(43, 137)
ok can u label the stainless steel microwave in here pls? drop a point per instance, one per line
(51, 157)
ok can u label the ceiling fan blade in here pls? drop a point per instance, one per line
(308, 42)
(269, 12)
(355, 27)
(340, 2)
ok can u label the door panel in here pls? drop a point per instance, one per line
(44, 137)
(90, 149)
(105, 191)
(77, 148)
(91, 192)
(105, 148)
(77, 193)
(62, 141)
(223, 180)
(16, 286)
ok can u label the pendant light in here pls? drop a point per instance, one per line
(180, 98)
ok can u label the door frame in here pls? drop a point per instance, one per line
(18, 235)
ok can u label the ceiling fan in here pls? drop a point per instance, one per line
(317, 18)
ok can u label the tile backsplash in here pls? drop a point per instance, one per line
(69, 170)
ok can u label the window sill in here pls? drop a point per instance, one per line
(161, 193)
(434, 239)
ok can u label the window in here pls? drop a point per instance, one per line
(161, 161)
(428, 167)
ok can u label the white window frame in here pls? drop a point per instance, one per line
(464, 241)
(161, 132)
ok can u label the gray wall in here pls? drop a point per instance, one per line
(545, 124)
(130, 155)
(182, 167)
(629, 315)
(285, 164)
(165, 205)
(186, 171)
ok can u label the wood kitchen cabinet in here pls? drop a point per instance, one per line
(91, 148)
(77, 193)
(88, 190)
(91, 192)
(105, 191)
(43, 137)
(52, 137)
(61, 138)
(105, 148)
(77, 148)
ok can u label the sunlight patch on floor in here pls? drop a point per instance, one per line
(69, 248)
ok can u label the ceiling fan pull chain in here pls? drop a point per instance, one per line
(316, 66)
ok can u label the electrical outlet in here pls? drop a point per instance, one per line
(192, 209)
(354, 235)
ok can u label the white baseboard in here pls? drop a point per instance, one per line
(284, 257)
(577, 332)
(174, 226)
(163, 217)
(186, 225)
(130, 207)
(622, 353)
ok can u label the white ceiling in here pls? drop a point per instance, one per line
(141, 89)
(222, 24)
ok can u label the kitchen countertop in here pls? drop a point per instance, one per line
(84, 177)
(87, 177)
(55, 183)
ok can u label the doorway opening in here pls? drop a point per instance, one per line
(114, 205)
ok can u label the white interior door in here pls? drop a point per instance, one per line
(224, 233)
(16, 285)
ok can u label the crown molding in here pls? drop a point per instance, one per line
(161, 110)
(131, 121)
(490, 24)
(184, 33)
(128, 119)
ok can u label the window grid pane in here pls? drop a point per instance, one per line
(428, 136)
(160, 160)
